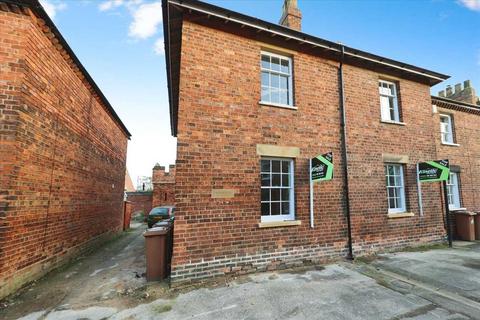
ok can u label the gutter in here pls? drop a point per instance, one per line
(462, 104)
(343, 124)
(37, 8)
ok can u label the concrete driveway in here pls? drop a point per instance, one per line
(435, 284)
(456, 271)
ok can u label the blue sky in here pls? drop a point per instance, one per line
(120, 44)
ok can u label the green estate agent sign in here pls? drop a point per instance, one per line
(322, 167)
(431, 171)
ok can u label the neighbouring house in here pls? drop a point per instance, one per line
(62, 150)
(163, 186)
(162, 192)
(465, 93)
(252, 101)
(140, 201)
(458, 140)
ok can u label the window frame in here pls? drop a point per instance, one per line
(403, 207)
(281, 217)
(396, 106)
(450, 125)
(270, 71)
(453, 191)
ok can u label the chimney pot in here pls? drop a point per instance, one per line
(466, 84)
(441, 93)
(291, 16)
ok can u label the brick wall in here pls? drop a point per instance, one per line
(63, 156)
(220, 122)
(163, 186)
(141, 201)
(127, 214)
(368, 140)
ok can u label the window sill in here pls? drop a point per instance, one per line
(400, 215)
(275, 224)
(398, 123)
(457, 209)
(450, 144)
(277, 105)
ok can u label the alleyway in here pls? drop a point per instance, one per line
(110, 277)
(108, 284)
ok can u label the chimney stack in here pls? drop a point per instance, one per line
(291, 16)
(449, 91)
(458, 88)
(466, 94)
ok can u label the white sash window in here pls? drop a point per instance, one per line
(276, 79)
(453, 191)
(277, 192)
(388, 101)
(395, 188)
(446, 128)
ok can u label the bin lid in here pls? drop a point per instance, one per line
(158, 231)
(164, 223)
(468, 213)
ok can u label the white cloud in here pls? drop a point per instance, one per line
(110, 4)
(114, 4)
(146, 19)
(159, 46)
(52, 7)
(471, 4)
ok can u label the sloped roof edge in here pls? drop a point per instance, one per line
(37, 8)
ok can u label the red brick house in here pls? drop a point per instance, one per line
(252, 101)
(163, 186)
(62, 150)
(458, 140)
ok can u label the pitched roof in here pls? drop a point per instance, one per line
(128, 182)
(40, 12)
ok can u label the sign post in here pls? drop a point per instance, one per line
(419, 191)
(321, 169)
(438, 170)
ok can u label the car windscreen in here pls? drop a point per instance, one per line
(159, 211)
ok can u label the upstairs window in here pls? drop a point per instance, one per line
(446, 128)
(388, 101)
(277, 194)
(276, 79)
(395, 188)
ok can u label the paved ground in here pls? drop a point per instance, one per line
(109, 277)
(436, 284)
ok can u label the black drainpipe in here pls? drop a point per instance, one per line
(343, 123)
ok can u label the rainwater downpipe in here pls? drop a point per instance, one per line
(343, 124)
